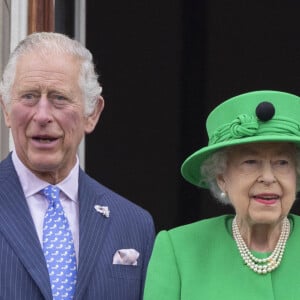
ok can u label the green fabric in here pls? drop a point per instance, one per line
(201, 261)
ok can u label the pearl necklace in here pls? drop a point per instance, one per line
(262, 265)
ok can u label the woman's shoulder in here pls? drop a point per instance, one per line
(294, 217)
(191, 237)
(295, 221)
(202, 227)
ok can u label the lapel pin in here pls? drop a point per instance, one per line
(102, 210)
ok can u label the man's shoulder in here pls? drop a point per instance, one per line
(7, 168)
(115, 200)
(6, 161)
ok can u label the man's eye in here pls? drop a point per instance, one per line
(59, 97)
(28, 96)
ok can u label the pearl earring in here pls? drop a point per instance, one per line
(223, 195)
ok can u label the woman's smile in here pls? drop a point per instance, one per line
(266, 198)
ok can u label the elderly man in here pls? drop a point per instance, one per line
(62, 234)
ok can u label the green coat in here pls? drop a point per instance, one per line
(201, 261)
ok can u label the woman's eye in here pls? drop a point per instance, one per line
(283, 165)
(281, 162)
(250, 161)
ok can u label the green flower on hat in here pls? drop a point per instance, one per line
(243, 125)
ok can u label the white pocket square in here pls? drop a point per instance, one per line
(126, 257)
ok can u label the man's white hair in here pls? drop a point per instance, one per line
(46, 43)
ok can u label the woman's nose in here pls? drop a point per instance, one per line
(267, 175)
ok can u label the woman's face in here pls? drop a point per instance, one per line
(260, 181)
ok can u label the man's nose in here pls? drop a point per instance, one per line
(43, 111)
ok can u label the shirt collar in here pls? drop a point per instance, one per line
(31, 184)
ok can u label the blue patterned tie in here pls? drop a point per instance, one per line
(58, 247)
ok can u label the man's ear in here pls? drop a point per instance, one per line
(93, 118)
(5, 113)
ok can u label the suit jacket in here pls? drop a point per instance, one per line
(23, 271)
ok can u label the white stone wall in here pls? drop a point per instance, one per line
(80, 17)
(5, 6)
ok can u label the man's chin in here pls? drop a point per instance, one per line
(44, 163)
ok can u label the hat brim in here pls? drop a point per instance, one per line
(190, 168)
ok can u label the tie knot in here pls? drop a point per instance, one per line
(51, 192)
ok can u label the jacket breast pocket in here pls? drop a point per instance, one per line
(125, 271)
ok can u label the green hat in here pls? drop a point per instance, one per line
(260, 116)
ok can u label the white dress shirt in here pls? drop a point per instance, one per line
(38, 204)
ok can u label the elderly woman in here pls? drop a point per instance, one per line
(252, 163)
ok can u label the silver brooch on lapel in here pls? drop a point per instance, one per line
(104, 210)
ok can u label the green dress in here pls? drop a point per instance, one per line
(201, 261)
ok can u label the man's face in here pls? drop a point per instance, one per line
(46, 114)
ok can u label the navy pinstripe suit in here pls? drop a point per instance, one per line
(23, 271)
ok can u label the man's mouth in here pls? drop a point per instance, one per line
(44, 140)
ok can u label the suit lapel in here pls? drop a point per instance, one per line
(17, 226)
(93, 228)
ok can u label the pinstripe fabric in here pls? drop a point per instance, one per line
(23, 272)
